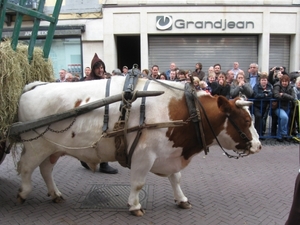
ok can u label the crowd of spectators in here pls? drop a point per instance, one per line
(272, 92)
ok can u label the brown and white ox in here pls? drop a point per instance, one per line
(164, 151)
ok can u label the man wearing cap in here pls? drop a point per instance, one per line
(125, 71)
(98, 72)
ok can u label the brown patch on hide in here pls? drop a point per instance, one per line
(87, 100)
(73, 134)
(160, 174)
(185, 136)
(77, 103)
(243, 120)
(217, 108)
(54, 157)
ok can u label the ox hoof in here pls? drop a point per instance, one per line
(58, 199)
(185, 205)
(20, 199)
(138, 212)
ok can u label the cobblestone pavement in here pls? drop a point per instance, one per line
(257, 189)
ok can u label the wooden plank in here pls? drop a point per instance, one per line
(2, 14)
(35, 29)
(51, 29)
(30, 12)
(17, 27)
(21, 127)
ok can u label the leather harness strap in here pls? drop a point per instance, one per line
(190, 96)
(106, 109)
(142, 121)
(143, 105)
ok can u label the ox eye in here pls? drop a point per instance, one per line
(248, 122)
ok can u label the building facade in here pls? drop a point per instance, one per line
(186, 32)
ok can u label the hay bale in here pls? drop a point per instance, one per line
(15, 73)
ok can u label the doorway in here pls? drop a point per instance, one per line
(129, 51)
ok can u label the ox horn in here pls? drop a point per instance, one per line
(241, 103)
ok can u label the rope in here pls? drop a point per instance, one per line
(164, 84)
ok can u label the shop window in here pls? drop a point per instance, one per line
(65, 53)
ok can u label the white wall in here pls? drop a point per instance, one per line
(203, 2)
(142, 20)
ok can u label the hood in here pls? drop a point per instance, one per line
(98, 61)
(95, 60)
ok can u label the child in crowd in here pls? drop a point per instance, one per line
(204, 87)
(196, 83)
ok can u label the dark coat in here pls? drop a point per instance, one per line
(200, 74)
(287, 97)
(217, 89)
(294, 216)
(258, 93)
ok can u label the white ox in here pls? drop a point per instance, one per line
(164, 151)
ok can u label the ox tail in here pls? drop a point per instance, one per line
(33, 85)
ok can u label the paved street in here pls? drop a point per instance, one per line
(254, 190)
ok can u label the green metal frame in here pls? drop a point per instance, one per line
(38, 16)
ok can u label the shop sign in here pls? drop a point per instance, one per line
(168, 23)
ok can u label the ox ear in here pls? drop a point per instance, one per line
(224, 104)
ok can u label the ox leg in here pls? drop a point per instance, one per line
(138, 175)
(29, 161)
(179, 197)
(46, 169)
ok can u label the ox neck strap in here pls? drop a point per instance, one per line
(189, 92)
(106, 109)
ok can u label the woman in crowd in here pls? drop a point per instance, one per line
(163, 76)
(181, 76)
(274, 75)
(145, 73)
(222, 88)
(240, 87)
(284, 92)
(262, 90)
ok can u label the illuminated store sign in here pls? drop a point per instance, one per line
(168, 23)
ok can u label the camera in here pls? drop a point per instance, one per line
(266, 91)
(277, 68)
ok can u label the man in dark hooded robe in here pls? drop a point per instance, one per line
(98, 72)
(294, 216)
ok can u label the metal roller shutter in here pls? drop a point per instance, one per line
(280, 51)
(186, 51)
